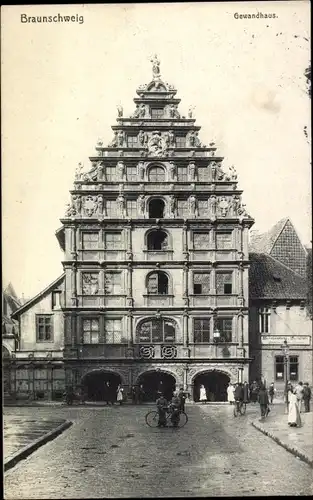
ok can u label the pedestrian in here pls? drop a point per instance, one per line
(294, 419)
(254, 391)
(299, 393)
(203, 396)
(239, 395)
(134, 395)
(119, 394)
(162, 405)
(263, 401)
(306, 396)
(175, 409)
(230, 393)
(142, 394)
(246, 393)
(182, 398)
(271, 392)
(107, 393)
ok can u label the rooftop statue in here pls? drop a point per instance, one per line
(155, 67)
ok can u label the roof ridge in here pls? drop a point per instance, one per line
(284, 265)
(285, 219)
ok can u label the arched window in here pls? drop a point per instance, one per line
(157, 283)
(157, 240)
(156, 174)
(156, 330)
(156, 208)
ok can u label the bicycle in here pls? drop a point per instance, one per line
(152, 418)
(239, 408)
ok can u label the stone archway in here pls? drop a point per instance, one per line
(100, 384)
(153, 382)
(215, 383)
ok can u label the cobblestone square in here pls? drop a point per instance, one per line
(110, 452)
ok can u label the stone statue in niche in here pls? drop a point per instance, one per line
(192, 204)
(172, 205)
(78, 172)
(120, 168)
(119, 111)
(141, 203)
(155, 144)
(141, 138)
(136, 113)
(171, 138)
(100, 204)
(233, 173)
(235, 204)
(77, 203)
(92, 174)
(113, 143)
(100, 171)
(191, 139)
(120, 204)
(172, 169)
(90, 205)
(173, 111)
(90, 283)
(121, 138)
(192, 171)
(141, 170)
(197, 140)
(242, 210)
(223, 206)
(213, 203)
(142, 110)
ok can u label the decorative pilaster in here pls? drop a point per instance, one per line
(74, 284)
(185, 241)
(130, 300)
(186, 350)
(129, 241)
(186, 284)
(130, 339)
(240, 333)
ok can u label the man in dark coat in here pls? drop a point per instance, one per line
(162, 406)
(182, 396)
(239, 393)
(107, 393)
(306, 396)
(254, 391)
(246, 393)
(263, 401)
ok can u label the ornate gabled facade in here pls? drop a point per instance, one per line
(156, 260)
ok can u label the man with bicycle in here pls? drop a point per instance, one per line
(162, 406)
(239, 396)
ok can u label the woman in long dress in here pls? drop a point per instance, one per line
(294, 419)
(119, 394)
(231, 393)
(202, 393)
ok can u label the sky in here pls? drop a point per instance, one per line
(61, 83)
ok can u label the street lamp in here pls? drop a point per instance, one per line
(285, 349)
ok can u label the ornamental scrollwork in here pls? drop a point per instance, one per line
(168, 351)
(146, 351)
(90, 283)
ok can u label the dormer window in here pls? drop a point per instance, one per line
(276, 278)
(157, 113)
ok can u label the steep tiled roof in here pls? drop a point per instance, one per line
(263, 243)
(268, 278)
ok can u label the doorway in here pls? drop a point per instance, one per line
(215, 384)
(93, 384)
(155, 382)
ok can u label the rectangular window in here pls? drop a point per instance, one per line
(156, 113)
(110, 174)
(201, 329)
(264, 320)
(44, 328)
(91, 331)
(225, 327)
(180, 141)
(293, 368)
(113, 283)
(132, 141)
(224, 283)
(132, 174)
(201, 283)
(90, 241)
(203, 174)
(182, 174)
(279, 368)
(113, 241)
(90, 283)
(111, 208)
(182, 208)
(132, 208)
(203, 208)
(223, 240)
(201, 241)
(113, 331)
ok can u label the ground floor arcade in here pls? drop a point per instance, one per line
(32, 380)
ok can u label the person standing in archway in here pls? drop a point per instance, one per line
(119, 394)
(203, 396)
(107, 395)
(230, 393)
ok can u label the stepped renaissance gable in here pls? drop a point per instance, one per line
(156, 261)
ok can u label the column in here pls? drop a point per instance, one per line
(213, 281)
(185, 241)
(130, 339)
(245, 241)
(186, 349)
(240, 334)
(130, 299)
(186, 284)
(129, 242)
(74, 285)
